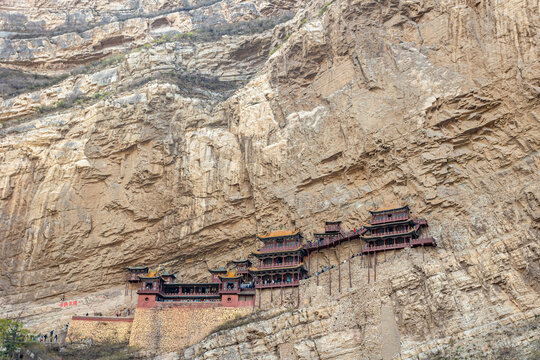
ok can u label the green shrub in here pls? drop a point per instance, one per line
(12, 338)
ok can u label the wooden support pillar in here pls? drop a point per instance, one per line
(282, 278)
(339, 268)
(317, 269)
(368, 267)
(298, 297)
(350, 258)
(271, 292)
(260, 296)
(375, 267)
(309, 263)
(362, 259)
(423, 251)
(329, 278)
(254, 299)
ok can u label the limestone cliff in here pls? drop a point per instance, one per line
(188, 142)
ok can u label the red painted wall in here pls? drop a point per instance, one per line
(229, 300)
(146, 301)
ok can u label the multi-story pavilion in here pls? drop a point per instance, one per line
(280, 260)
(394, 228)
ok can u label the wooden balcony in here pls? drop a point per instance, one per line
(193, 294)
(334, 240)
(229, 291)
(378, 248)
(389, 219)
(414, 242)
(423, 241)
(272, 248)
(279, 266)
(277, 285)
(242, 269)
(386, 233)
(133, 277)
(332, 227)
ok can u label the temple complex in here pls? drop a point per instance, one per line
(280, 263)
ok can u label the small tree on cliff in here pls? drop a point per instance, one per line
(12, 338)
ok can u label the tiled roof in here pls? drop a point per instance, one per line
(278, 250)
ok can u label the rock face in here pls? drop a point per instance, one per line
(408, 312)
(181, 151)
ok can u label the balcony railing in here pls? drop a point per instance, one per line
(242, 269)
(281, 265)
(132, 277)
(396, 232)
(193, 294)
(386, 247)
(332, 227)
(413, 242)
(389, 219)
(423, 241)
(270, 248)
(277, 285)
(334, 239)
(229, 291)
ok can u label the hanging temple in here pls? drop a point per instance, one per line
(282, 262)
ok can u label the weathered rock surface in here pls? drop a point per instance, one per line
(350, 105)
(82, 32)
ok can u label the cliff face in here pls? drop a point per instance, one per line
(185, 146)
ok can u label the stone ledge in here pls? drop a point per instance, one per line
(101, 318)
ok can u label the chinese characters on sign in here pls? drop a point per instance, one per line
(68, 303)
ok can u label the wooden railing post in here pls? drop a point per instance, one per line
(317, 269)
(339, 269)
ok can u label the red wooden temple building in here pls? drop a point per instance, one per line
(333, 235)
(280, 260)
(224, 289)
(391, 229)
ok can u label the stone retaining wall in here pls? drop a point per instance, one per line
(174, 328)
(99, 329)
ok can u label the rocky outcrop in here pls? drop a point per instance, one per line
(406, 313)
(348, 106)
(83, 33)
